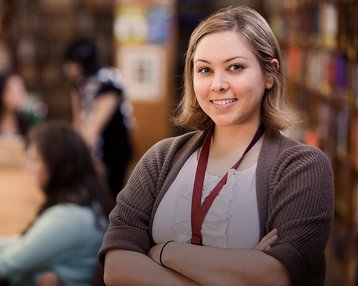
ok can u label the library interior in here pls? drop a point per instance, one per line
(146, 40)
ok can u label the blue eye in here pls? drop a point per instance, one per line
(236, 67)
(204, 70)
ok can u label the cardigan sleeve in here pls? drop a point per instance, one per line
(301, 207)
(129, 221)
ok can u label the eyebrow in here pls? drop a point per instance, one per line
(227, 60)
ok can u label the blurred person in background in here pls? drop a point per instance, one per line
(13, 119)
(64, 238)
(259, 207)
(100, 111)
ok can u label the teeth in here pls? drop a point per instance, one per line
(223, 101)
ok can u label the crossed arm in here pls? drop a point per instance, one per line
(187, 264)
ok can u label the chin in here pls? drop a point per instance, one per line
(225, 122)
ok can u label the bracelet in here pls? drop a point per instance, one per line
(161, 252)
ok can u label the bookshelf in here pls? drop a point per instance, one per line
(2, 14)
(319, 41)
(35, 33)
(4, 55)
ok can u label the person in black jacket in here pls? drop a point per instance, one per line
(100, 111)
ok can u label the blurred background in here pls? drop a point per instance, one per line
(146, 40)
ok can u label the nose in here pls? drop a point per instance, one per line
(219, 83)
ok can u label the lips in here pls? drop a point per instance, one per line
(223, 102)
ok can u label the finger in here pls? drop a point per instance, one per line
(272, 239)
(267, 240)
(261, 246)
(271, 234)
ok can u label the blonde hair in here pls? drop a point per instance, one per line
(253, 27)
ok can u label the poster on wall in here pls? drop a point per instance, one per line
(159, 19)
(136, 23)
(130, 24)
(142, 68)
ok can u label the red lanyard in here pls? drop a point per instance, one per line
(198, 210)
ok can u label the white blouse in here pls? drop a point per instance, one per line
(231, 222)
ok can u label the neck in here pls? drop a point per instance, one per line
(236, 136)
(228, 144)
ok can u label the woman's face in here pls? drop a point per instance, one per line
(72, 70)
(228, 81)
(14, 93)
(37, 166)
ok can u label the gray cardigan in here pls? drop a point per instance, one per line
(294, 194)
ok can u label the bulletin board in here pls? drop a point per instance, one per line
(144, 32)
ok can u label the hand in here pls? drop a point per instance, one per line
(266, 242)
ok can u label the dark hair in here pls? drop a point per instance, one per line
(72, 176)
(83, 52)
(4, 77)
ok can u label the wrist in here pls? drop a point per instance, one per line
(161, 255)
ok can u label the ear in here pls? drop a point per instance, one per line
(270, 80)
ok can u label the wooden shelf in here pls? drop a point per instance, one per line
(322, 67)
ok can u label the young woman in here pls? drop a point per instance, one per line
(12, 95)
(65, 237)
(235, 202)
(100, 111)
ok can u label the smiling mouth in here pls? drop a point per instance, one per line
(223, 102)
